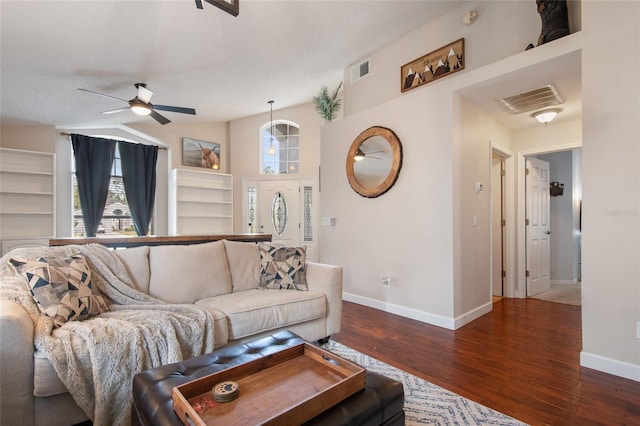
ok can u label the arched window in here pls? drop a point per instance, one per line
(280, 148)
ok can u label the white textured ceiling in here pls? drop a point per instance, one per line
(223, 66)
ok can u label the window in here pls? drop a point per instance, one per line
(116, 218)
(281, 149)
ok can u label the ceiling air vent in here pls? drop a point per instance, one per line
(530, 101)
(359, 71)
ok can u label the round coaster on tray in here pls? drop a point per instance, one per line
(225, 391)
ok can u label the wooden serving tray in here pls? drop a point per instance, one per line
(288, 387)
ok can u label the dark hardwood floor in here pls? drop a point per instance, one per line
(522, 359)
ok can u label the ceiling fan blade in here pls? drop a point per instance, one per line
(175, 109)
(144, 94)
(102, 94)
(159, 118)
(112, 111)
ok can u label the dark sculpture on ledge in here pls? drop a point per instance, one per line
(555, 20)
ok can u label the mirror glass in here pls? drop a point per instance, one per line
(374, 167)
(374, 161)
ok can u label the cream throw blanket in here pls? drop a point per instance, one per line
(96, 359)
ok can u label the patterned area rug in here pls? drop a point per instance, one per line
(426, 403)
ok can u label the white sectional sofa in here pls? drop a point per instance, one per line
(222, 277)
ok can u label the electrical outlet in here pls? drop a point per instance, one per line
(386, 282)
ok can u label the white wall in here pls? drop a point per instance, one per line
(30, 138)
(503, 29)
(611, 187)
(420, 233)
(171, 136)
(406, 233)
(474, 132)
(245, 145)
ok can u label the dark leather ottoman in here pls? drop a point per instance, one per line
(381, 402)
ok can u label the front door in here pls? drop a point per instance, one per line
(280, 211)
(538, 228)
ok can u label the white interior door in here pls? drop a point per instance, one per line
(280, 211)
(538, 228)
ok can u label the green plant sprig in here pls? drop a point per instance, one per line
(328, 105)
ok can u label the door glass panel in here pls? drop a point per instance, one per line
(251, 209)
(308, 224)
(279, 214)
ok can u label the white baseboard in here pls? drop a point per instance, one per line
(611, 366)
(565, 282)
(472, 315)
(426, 317)
(403, 311)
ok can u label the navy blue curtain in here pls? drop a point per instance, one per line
(94, 158)
(139, 177)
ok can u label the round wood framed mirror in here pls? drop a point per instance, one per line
(374, 161)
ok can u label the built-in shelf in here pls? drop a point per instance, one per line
(49, 194)
(27, 199)
(201, 202)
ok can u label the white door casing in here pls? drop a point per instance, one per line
(497, 229)
(538, 229)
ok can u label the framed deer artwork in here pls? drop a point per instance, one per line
(197, 153)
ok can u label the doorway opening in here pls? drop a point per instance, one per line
(552, 234)
(498, 222)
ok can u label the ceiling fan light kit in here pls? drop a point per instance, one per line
(141, 104)
(140, 108)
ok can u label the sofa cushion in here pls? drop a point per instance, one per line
(136, 261)
(220, 327)
(254, 311)
(283, 267)
(62, 287)
(45, 379)
(244, 264)
(184, 274)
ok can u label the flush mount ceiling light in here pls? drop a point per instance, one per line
(546, 116)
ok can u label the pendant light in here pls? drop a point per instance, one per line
(272, 149)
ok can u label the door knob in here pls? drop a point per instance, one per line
(548, 232)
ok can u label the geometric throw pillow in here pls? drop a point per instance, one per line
(61, 286)
(283, 267)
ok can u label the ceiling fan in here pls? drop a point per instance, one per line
(360, 155)
(140, 104)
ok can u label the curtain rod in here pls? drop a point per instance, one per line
(69, 134)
